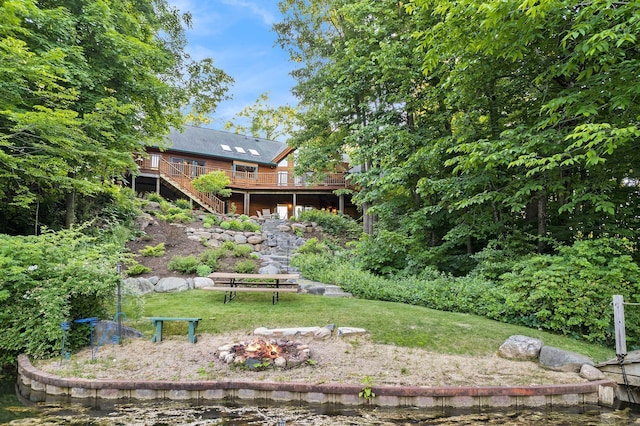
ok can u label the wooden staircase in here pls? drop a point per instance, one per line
(174, 175)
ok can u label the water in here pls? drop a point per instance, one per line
(15, 411)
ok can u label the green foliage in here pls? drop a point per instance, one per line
(313, 246)
(225, 224)
(203, 270)
(183, 204)
(384, 252)
(153, 196)
(250, 226)
(137, 269)
(50, 279)
(211, 257)
(215, 182)
(235, 225)
(211, 220)
(337, 225)
(183, 264)
(153, 251)
(571, 292)
(81, 102)
(247, 266)
(367, 392)
(243, 217)
(242, 250)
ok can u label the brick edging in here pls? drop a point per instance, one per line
(33, 381)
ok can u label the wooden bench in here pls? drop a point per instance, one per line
(159, 321)
(232, 283)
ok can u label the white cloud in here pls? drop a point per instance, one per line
(267, 17)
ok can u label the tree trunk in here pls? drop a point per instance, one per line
(70, 217)
(542, 221)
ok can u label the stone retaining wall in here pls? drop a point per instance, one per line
(38, 386)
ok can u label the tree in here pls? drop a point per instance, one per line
(85, 86)
(267, 122)
(215, 182)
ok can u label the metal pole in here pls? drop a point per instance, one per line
(119, 302)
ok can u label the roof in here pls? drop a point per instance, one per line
(232, 146)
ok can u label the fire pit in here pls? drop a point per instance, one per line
(261, 354)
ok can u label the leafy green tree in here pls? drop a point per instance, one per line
(215, 182)
(86, 85)
(266, 121)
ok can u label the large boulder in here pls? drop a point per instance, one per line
(520, 347)
(171, 284)
(139, 285)
(202, 282)
(560, 360)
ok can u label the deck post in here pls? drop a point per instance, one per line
(618, 320)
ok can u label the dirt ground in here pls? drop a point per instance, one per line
(345, 360)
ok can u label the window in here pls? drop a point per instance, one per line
(240, 150)
(155, 161)
(283, 178)
(253, 151)
(187, 167)
(225, 147)
(243, 170)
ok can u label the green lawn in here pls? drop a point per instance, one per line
(392, 323)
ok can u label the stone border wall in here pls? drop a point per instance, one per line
(37, 386)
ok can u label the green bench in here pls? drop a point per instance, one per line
(159, 321)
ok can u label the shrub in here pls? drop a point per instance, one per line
(153, 196)
(184, 264)
(183, 204)
(203, 270)
(225, 224)
(313, 246)
(243, 218)
(242, 250)
(137, 269)
(570, 292)
(235, 225)
(49, 279)
(250, 226)
(211, 257)
(338, 225)
(153, 251)
(248, 266)
(210, 220)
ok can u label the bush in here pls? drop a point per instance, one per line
(210, 220)
(250, 226)
(570, 293)
(184, 264)
(242, 250)
(203, 270)
(225, 224)
(183, 204)
(248, 266)
(155, 197)
(153, 251)
(338, 225)
(211, 257)
(137, 269)
(235, 225)
(49, 279)
(313, 246)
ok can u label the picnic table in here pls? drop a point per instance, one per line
(232, 282)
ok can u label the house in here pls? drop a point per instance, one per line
(260, 170)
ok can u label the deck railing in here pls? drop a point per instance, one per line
(177, 177)
(244, 179)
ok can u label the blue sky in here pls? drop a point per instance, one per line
(237, 35)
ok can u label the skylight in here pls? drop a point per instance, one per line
(225, 147)
(253, 151)
(240, 150)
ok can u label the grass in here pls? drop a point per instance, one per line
(389, 323)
